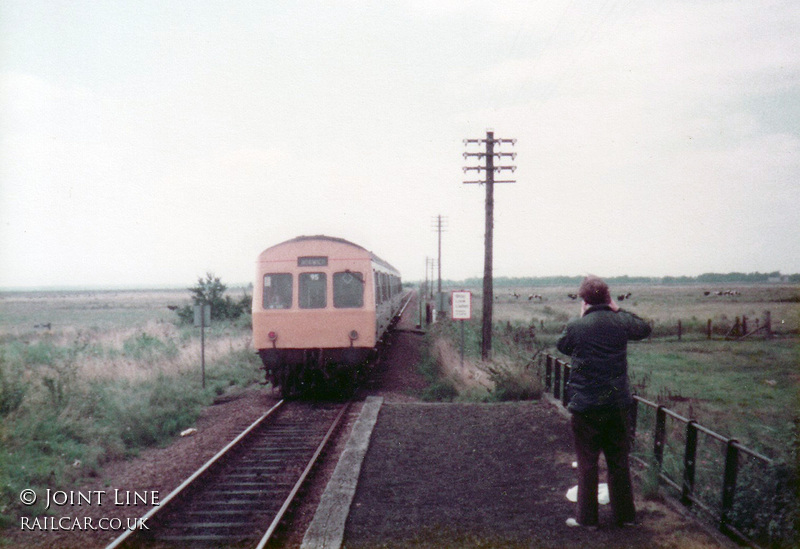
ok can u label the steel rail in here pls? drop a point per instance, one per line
(408, 297)
(194, 476)
(300, 481)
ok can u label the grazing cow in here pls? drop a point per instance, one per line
(621, 297)
(572, 296)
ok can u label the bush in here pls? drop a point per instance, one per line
(210, 291)
(767, 506)
(514, 382)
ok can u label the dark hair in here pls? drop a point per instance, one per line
(594, 291)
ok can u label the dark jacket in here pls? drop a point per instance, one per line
(598, 345)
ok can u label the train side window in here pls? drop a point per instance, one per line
(313, 290)
(348, 290)
(277, 291)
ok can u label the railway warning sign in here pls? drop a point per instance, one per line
(462, 305)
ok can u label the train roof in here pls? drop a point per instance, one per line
(374, 257)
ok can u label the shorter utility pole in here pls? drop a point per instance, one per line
(427, 270)
(432, 267)
(490, 169)
(439, 225)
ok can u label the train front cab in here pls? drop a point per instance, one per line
(320, 317)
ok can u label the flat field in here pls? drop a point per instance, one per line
(24, 312)
(111, 333)
(664, 305)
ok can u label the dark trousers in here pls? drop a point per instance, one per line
(605, 431)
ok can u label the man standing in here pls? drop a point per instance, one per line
(599, 398)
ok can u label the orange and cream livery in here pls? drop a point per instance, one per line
(321, 306)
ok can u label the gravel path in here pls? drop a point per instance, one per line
(484, 475)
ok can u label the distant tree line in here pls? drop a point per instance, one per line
(705, 278)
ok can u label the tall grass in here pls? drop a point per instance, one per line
(509, 375)
(73, 399)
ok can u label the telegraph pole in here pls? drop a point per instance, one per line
(490, 168)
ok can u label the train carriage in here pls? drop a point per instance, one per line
(321, 306)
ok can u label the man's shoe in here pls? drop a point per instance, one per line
(574, 523)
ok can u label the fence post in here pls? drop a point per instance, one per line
(564, 381)
(708, 329)
(729, 482)
(548, 373)
(633, 417)
(660, 435)
(557, 380)
(689, 461)
(679, 330)
(768, 324)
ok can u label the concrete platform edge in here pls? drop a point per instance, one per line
(326, 530)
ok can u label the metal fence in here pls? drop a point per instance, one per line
(731, 484)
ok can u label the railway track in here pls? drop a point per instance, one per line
(240, 496)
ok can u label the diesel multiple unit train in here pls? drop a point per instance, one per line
(321, 307)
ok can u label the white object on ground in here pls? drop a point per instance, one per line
(572, 522)
(574, 464)
(602, 494)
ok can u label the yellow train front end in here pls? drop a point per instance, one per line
(315, 312)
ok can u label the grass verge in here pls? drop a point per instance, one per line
(509, 375)
(60, 422)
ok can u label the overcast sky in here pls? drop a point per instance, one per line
(149, 142)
